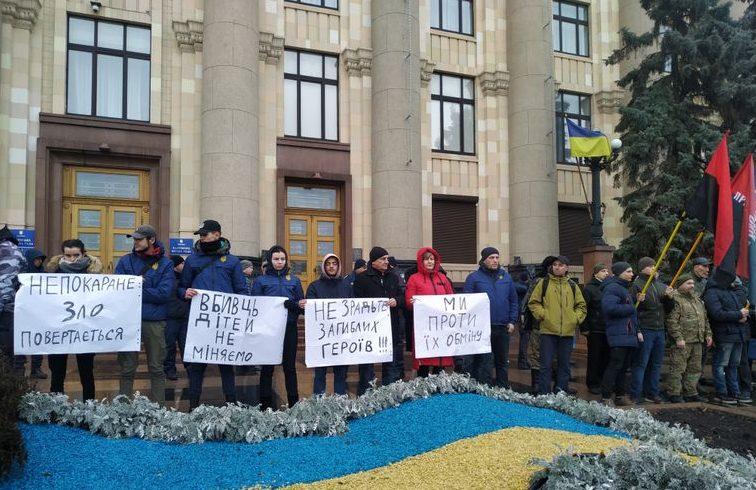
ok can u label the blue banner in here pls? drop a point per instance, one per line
(181, 246)
(25, 238)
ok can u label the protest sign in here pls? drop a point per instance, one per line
(452, 325)
(347, 331)
(77, 314)
(235, 329)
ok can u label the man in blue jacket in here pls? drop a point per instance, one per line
(148, 260)
(211, 267)
(493, 280)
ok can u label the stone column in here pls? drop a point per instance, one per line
(229, 189)
(396, 158)
(532, 167)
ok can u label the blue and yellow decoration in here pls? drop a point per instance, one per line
(458, 440)
(587, 143)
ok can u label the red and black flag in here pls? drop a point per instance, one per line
(744, 189)
(712, 205)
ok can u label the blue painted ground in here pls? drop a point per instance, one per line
(61, 457)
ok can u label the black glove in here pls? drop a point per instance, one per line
(291, 305)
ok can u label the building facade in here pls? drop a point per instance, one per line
(324, 125)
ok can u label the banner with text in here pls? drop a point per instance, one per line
(235, 329)
(340, 332)
(452, 325)
(77, 314)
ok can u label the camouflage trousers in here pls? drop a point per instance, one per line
(534, 348)
(684, 369)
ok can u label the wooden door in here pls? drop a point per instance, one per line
(308, 239)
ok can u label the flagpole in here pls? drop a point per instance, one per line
(687, 257)
(662, 255)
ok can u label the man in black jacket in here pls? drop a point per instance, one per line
(175, 331)
(379, 282)
(594, 327)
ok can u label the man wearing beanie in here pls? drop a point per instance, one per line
(492, 279)
(594, 329)
(656, 303)
(379, 282)
(688, 328)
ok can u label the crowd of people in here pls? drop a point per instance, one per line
(656, 337)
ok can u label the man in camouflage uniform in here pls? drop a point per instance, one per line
(688, 329)
(12, 263)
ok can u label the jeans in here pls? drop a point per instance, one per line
(614, 376)
(725, 367)
(598, 359)
(175, 332)
(394, 370)
(367, 374)
(522, 348)
(500, 348)
(647, 365)
(561, 347)
(339, 380)
(153, 336)
(85, 363)
(289, 368)
(478, 366)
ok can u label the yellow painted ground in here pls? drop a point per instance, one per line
(496, 460)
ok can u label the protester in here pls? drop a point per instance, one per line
(211, 267)
(35, 259)
(12, 263)
(248, 269)
(428, 280)
(148, 260)
(558, 306)
(594, 327)
(360, 266)
(647, 364)
(622, 332)
(74, 260)
(522, 286)
(331, 285)
(175, 325)
(379, 282)
(701, 269)
(492, 279)
(688, 329)
(278, 280)
(726, 304)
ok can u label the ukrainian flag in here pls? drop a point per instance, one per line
(587, 143)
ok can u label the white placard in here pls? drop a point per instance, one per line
(235, 329)
(452, 325)
(340, 332)
(77, 314)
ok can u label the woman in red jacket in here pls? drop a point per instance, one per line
(425, 282)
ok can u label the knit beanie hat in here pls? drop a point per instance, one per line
(620, 267)
(645, 262)
(359, 264)
(377, 252)
(177, 260)
(599, 267)
(683, 279)
(487, 252)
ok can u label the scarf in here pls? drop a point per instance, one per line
(78, 267)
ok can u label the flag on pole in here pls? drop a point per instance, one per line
(711, 204)
(744, 189)
(587, 143)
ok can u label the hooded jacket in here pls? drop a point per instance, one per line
(723, 305)
(329, 287)
(283, 284)
(501, 291)
(157, 283)
(619, 313)
(31, 255)
(428, 283)
(219, 271)
(562, 308)
(12, 263)
(652, 310)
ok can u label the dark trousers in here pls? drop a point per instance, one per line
(478, 366)
(598, 358)
(367, 374)
(522, 349)
(196, 372)
(6, 337)
(175, 333)
(613, 381)
(744, 370)
(423, 371)
(289, 368)
(394, 370)
(84, 362)
(339, 380)
(554, 346)
(500, 348)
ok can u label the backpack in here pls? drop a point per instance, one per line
(528, 320)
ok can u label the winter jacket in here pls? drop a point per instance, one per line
(329, 287)
(95, 265)
(522, 291)
(178, 308)
(723, 306)
(12, 263)
(652, 310)
(30, 255)
(562, 309)
(620, 316)
(501, 291)
(219, 271)
(426, 283)
(373, 284)
(283, 284)
(688, 321)
(594, 320)
(157, 283)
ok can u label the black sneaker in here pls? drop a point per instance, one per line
(693, 399)
(743, 399)
(653, 399)
(676, 399)
(37, 373)
(724, 400)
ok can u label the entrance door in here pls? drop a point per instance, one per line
(102, 206)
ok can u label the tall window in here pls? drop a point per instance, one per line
(455, 228)
(452, 114)
(570, 28)
(577, 108)
(329, 4)
(108, 69)
(311, 102)
(452, 15)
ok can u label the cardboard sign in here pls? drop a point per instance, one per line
(452, 325)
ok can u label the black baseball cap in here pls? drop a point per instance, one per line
(144, 231)
(208, 226)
